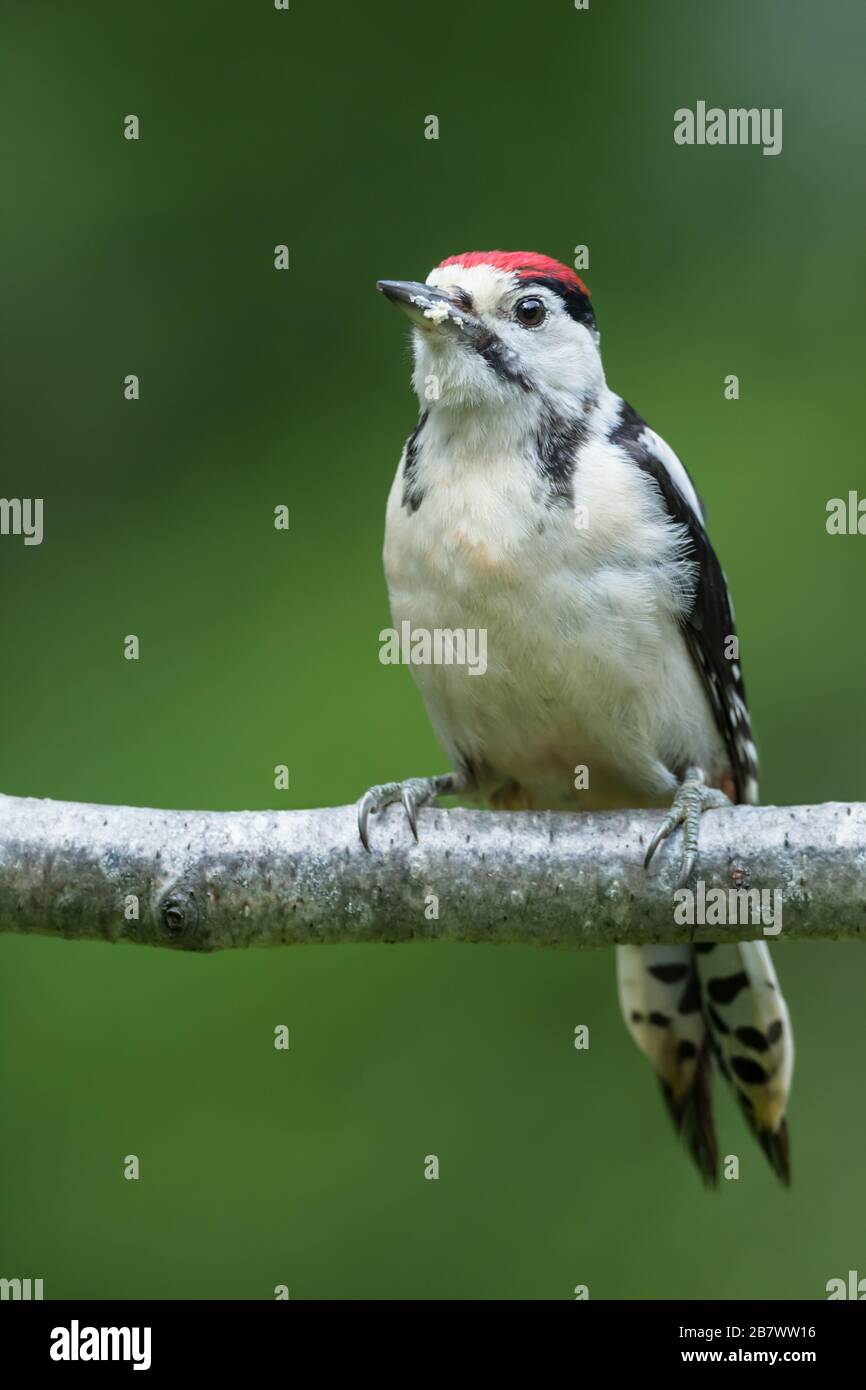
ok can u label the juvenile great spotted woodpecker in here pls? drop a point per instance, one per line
(532, 502)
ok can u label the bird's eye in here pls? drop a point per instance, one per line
(530, 312)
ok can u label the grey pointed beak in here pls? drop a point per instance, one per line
(428, 308)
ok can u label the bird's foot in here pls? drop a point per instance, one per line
(691, 800)
(414, 792)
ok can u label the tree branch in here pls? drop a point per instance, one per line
(208, 880)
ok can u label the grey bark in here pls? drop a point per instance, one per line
(208, 880)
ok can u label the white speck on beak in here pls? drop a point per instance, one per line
(436, 313)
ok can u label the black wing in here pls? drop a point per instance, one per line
(709, 625)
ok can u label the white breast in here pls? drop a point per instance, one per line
(585, 661)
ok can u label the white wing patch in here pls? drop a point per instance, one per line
(660, 449)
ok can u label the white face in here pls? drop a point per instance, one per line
(518, 342)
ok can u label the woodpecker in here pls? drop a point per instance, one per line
(534, 503)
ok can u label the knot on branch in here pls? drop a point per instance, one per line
(182, 920)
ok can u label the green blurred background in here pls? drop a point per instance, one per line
(260, 647)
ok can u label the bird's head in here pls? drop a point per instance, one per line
(493, 327)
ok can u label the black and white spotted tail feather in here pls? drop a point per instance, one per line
(688, 1007)
(750, 1028)
(660, 996)
(693, 1117)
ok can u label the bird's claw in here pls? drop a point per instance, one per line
(409, 806)
(365, 806)
(414, 792)
(691, 800)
